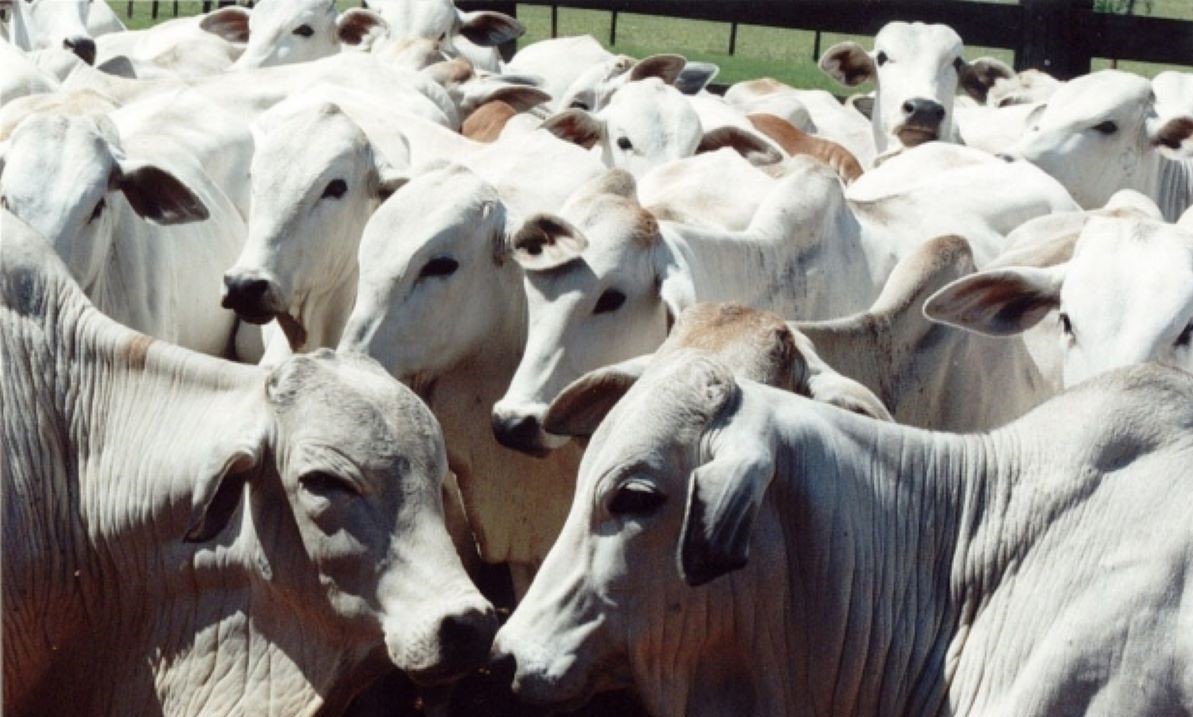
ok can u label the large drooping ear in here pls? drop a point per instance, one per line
(677, 288)
(724, 496)
(547, 241)
(977, 77)
(157, 195)
(230, 23)
(118, 66)
(389, 178)
(520, 97)
(998, 302)
(848, 63)
(580, 408)
(814, 378)
(695, 76)
(360, 28)
(489, 29)
(575, 126)
(664, 67)
(756, 151)
(862, 104)
(219, 489)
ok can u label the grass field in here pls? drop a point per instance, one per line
(787, 55)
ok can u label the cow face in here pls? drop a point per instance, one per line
(360, 462)
(669, 478)
(1099, 133)
(307, 216)
(1125, 297)
(440, 20)
(598, 282)
(436, 278)
(283, 32)
(46, 24)
(66, 175)
(916, 70)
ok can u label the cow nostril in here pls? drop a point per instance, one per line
(939, 112)
(247, 298)
(468, 630)
(521, 433)
(908, 107)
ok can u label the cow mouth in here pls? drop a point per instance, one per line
(260, 318)
(914, 135)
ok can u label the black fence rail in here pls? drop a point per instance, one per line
(1059, 36)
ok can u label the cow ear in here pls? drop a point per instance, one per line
(848, 63)
(118, 66)
(547, 241)
(757, 151)
(218, 493)
(360, 28)
(580, 408)
(489, 29)
(1173, 132)
(230, 23)
(677, 289)
(157, 195)
(977, 77)
(998, 302)
(575, 126)
(724, 497)
(862, 104)
(665, 67)
(695, 76)
(389, 178)
(814, 378)
(520, 97)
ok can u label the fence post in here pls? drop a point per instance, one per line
(613, 29)
(1053, 39)
(206, 6)
(732, 37)
(554, 21)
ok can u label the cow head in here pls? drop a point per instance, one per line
(1125, 296)
(307, 216)
(45, 24)
(917, 70)
(283, 32)
(67, 176)
(601, 281)
(1100, 133)
(436, 277)
(440, 20)
(362, 555)
(668, 497)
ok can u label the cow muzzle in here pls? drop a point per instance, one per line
(254, 298)
(457, 644)
(522, 430)
(922, 119)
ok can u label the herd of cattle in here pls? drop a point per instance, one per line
(309, 317)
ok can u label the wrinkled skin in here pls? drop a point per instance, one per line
(736, 550)
(278, 536)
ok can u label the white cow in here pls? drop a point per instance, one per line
(733, 549)
(1028, 87)
(185, 47)
(474, 35)
(70, 24)
(283, 32)
(1125, 296)
(917, 70)
(185, 536)
(137, 221)
(21, 77)
(560, 62)
(1101, 133)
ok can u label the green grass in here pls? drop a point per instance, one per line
(786, 55)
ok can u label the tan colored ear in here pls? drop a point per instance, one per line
(520, 97)
(218, 493)
(489, 29)
(795, 141)
(848, 63)
(977, 77)
(230, 23)
(546, 242)
(575, 126)
(450, 73)
(580, 408)
(998, 302)
(360, 28)
(724, 497)
(157, 195)
(756, 151)
(665, 67)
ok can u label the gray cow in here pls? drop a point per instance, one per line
(187, 536)
(830, 564)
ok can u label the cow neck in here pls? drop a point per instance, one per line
(880, 523)
(1174, 186)
(325, 314)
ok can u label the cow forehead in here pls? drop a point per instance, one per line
(918, 39)
(1094, 95)
(51, 155)
(320, 134)
(275, 12)
(1119, 263)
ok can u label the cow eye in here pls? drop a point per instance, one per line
(881, 58)
(579, 104)
(1185, 337)
(326, 485)
(1066, 324)
(625, 143)
(636, 499)
(335, 189)
(99, 209)
(439, 266)
(611, 300)
(304, 31)
(1107, 127)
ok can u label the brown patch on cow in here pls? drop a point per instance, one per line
(795, 141)
(137, 350)
(487, 122)
(758, 344)
(450, 72)
(1173, 133)
(764, 86)
(296, 333)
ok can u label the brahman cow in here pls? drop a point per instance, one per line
(736, 550)
(185, 536)
(50, 24)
